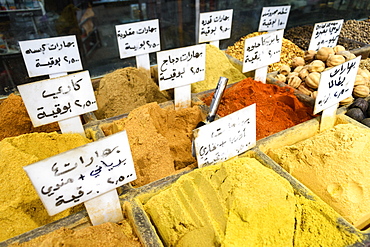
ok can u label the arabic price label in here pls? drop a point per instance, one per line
(325, 34)
(226, 137)
(77, 175)
(262, 50)
(60, 98)
(51, 55)
(274, 18)
(215, 25)
(336, 84)
(138, 38)
(182, 66)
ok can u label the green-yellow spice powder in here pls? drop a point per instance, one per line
(217, 64)
(21, 209)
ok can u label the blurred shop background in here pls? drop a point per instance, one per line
(93, 23)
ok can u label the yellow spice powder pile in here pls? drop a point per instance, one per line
(21, 209)
(334, 165)
(217, 64)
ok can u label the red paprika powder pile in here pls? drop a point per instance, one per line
(277, 107)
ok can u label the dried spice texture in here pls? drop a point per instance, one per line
(277, 107)
(288, 51)
(160, 140)
(21, 209)
(107, 234)
(217, 65)
(240, 202)
(14, 119)
(334, 165)
(125, 89)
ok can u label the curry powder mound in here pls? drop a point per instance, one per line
(21, 209)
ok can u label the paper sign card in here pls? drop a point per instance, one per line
(75, 176)
(215, 25)
(182, 66)
(336, 84)
(60, 98)
(262, 50)
(325, 34)
(226, 137)
(273, 18)
(51, 55)
(138, 38)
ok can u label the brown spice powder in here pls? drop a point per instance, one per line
(160, 140)
(14, 119)
(107, 234)
(125, 89)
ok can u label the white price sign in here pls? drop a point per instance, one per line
(60, 98)
(336, 84)
(226, 137)
(262, 50)
(51, 55)
(75, 176)
(138, 38)
(274, 18)
(215, 25)
(325, 34)
(182, 66)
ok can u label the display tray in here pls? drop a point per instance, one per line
(297, 134)
(141, 196)
(133, 199)
(97, 129)
(142, 229)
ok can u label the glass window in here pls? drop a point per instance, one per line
(93, 22)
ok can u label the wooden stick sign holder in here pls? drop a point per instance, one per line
(182, 96)
(328, 117)
(104, 208)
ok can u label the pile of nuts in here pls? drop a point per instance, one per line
(365, 64)
(356, 30)
(288, 51)
(301, 36)
(304, 72)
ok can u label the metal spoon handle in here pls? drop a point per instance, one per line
(221, 85)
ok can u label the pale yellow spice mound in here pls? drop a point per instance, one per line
(107, 235)
(125, 89)
(21, 209)
(217, 64)
(243, 203)
(334, 164)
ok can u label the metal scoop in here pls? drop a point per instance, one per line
(221, 85)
